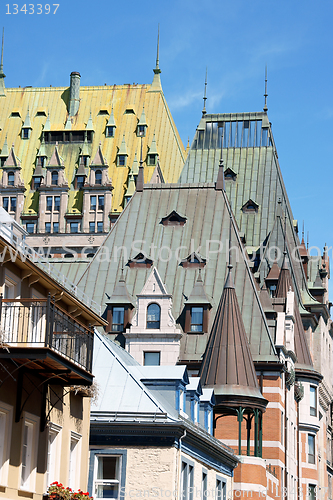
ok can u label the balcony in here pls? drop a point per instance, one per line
(44, 337)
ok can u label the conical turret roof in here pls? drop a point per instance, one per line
(135, 166)
(157, 177)
(27, 121)
(284, 283)
(131, 186)
(90, 125)
(99, 158)
(56, 160)
(4, 150)
(198, 294)
(227, 365)
(122, 149)
(12, 160)
(111, 122)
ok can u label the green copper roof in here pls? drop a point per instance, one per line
(153, 147)
(111, 122)
(135, 166)
(90, 125)
(4, 150)
(27, 121)
(143, 120)
(131, 186)
(122, 149)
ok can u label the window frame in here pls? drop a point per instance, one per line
(54, 178)
(53, 455)
(313, 409)
(71, 226)
(151, 352)
(93, 462)
(197, 324)
(32, 421)
(54, 230)
(31, 225)
(12, 181)
(98, 180)
(100, 202)
(48, 227)
(13, 203)
(186, 479)
(7, 203)
(121, 160)
(49, 203)
(118, 330)
(93, 206)
(150, 323)
(312, 456)
(74, 463)
(5, 441)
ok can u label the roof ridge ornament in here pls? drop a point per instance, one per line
(265, 94)
(204, 112)
(220, 183)
(2, 74)
(140, 179)
(156, 85)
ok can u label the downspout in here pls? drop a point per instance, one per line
(298, 457)
(178, 471)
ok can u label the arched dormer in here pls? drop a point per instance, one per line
(250, 207)
(153, 328)
(173, 219)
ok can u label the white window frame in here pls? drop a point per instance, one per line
(28, 482)
(102, 482)
(53, 453)
(74, 463)
(220, 490)
(6, 417)
(187, 479)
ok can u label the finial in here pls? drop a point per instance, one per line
(199, 276)
(220, 184)
(157, 68)
(1, 64)
(230, 263)
(205, 96)
(285, 235)
(303, 231)
(122, 278)
(265, 94)
(307, 241)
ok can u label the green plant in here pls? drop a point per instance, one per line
(57, 491)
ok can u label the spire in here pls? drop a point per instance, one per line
(120, 294)
(157, 177)
(220, 185)
(122, 149)
(153, 146)
(2, 74)
(90, 125)
(156, 85)
(227, 364)
(99, 159)
(130, 187)
(135, 166)
(140, 179)
(4, 150)
(42, 150)
(47, 125)
(284, 282)
(27, 121)
(205, 96)
(12, 160)
(56, 160)
(198, 295)
(111, 122)
(265, 94)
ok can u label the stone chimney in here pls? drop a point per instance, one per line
(74, 93)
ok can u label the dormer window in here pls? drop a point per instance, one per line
(153, 316)
(250, 207)
(152, 160)
(173, 219)
(110, 131)
(121, 160)
(140, 260)
(98, 177)
(141, 130)
(25, 133)
(118, 314)
(36, 182)
(11, 179)
(230, 175)
(193, 260)
(54, 178)
(197, 314)
(80, 180)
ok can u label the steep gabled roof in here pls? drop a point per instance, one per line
(139, 225)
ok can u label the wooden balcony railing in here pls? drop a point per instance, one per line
(29, 323)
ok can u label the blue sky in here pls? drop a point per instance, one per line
(115, 42)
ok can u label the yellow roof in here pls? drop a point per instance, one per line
(54, 100)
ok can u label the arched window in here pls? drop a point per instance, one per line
(98, 177)
(54, 178)
(10, 178)
(153, 316)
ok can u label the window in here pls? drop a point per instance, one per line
(56, 203)
(30, 227)
(80, 181)
(93, 202)
(312, 492)
(118, 319)
(49, 203)
(313, 401)
(220, 489)
(204, 492)
(56, 227)
(52, 453)
(110, 131)
(107, 477)
(40, 161)
(196, 319)
(151, 358)
(11, 179)
(47, 227)
(26, 469)
(25, 133)
(141, 131)
(101, 202)
(173, 219)
(98, 177)
(54, 178)
(73, 460)
(12, 204)
(5, 439)
(99, 227)
(74, 227)
(187, 481)
(91, 227)
(152, 159)
(5, 203)
(153, 316)
(37, 182)
(121, 160)
(311, 449)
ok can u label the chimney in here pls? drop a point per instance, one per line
(74, 93)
